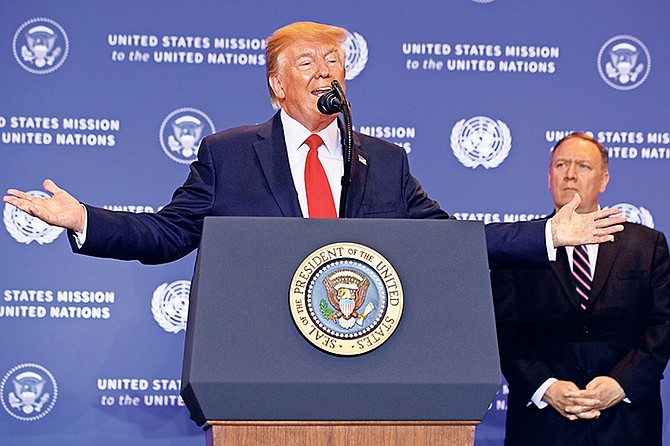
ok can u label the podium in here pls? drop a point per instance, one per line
(251, 377)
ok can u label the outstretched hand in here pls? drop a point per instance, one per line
(568, 228)
(61, 209)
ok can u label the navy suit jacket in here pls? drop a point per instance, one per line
(245, 172)
(624, 334)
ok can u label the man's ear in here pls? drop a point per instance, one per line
(605, 179)
(277, 87)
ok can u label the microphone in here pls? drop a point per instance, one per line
(330, 103)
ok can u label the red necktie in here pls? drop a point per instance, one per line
(319, 197)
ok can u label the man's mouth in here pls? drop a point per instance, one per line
(320, 91)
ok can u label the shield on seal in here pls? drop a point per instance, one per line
(347, 306)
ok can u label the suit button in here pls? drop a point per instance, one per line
(586, 330)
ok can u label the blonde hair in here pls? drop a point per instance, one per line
(284, 37)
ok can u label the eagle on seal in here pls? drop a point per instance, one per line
(346, 296)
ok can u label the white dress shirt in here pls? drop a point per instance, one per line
(330, 155)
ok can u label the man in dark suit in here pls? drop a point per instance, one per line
(262, 171)
(583, 345)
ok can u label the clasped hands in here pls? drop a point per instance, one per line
(574, 403)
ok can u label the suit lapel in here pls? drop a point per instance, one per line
(273, 157)
(607, 252)
(359, 175)
(564, 276)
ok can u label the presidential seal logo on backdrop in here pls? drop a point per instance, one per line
(624, 62)
(356, 52)
(346, 299)
(169, 305)
(481, 141)
(25, 228)
(40, 45)
(28, 392)
(635, 214)
(181, 132)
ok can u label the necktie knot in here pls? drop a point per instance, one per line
(314, 141)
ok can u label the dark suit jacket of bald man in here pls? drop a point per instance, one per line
(245, 172)
(624, 334)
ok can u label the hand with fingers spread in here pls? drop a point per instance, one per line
(569, 228)
(61, 209)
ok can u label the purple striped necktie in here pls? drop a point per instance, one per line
(581, 271)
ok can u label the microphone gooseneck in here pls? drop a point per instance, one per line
(330, 103)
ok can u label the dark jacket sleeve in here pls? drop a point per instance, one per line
(514, 245)
(165, 236)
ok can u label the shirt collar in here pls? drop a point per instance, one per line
(295, 135)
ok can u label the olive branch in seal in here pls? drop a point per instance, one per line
(325, 309)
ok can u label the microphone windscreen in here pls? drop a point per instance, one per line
(329, 103)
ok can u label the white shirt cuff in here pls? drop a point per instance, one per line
(80, 237)
(539, 394)
(549, 241)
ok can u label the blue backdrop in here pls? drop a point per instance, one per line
(110, 99)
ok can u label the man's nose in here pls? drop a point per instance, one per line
(322, 69)
(571, 171)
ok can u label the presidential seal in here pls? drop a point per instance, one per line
(346, 299)
(624, 62)
(40, 45)
(189, 126)
(28, 392)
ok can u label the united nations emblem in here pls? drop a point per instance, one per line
(187, 126)
(624, 62)
(346, 299)
(26, 228)
(481, 141)
(43, 45)
(169, 305)
(635, 214)
(28, 392)
(356, 52)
